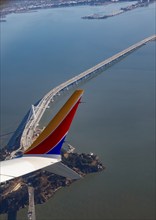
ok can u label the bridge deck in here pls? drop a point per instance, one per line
(38, 111)
(31, 207)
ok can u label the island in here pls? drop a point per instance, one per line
(118, 12)
(14, 193)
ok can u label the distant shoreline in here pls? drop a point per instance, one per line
(21, 7)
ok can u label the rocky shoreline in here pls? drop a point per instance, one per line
(14, 194)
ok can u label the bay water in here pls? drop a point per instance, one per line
(39, 51)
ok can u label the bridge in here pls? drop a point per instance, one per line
(31, 207)
(37, 111)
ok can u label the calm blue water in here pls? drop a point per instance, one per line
(41, 50)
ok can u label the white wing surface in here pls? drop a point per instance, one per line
(11, 169)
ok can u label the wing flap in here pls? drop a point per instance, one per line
(62, 170)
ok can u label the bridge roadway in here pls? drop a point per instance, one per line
(38, 111)
(31, 207)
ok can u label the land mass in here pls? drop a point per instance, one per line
(14, 194)
(17, 6)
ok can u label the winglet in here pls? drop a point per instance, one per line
(51, 139)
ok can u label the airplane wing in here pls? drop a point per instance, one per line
(16, 167)
(45, 151)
